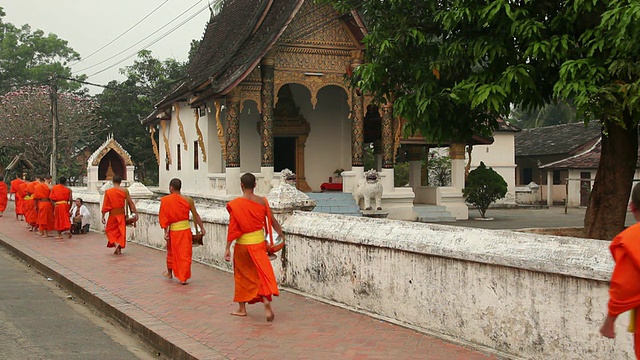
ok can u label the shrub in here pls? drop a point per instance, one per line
(484, 186)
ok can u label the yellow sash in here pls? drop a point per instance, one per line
(180, 225)
(28, 197)
(60, 202)
(252, 238)
(632, 321)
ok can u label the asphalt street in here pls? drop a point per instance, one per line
(38, 320)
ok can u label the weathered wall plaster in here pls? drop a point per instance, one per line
(524, 295)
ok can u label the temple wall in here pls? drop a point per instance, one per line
(329, 143)
(193, 181)
(521, 295)
(250, 149)
(501, 157)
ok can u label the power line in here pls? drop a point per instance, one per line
(145, 38)
(121, 35)
(154, 41)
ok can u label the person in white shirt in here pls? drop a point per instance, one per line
(80, 217)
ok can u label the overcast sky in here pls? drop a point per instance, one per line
(88, 25)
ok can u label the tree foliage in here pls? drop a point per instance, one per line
(452, 66)
(483, 187)
(124, 103)
(31, 57)
(25, 127)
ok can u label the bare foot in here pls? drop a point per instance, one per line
(269, 312)
(239, 313)
(118, 250)
(58, 237)
(69, 234)
(167, 275)
(183, 283)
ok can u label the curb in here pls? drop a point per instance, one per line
(158, 334)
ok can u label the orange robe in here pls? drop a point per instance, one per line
(45, 207)
(18, 195)
(252, 270)
(116, 228)
(61, 196)
(174, 208)
(29, 205)
(624, 291)
(3, 196)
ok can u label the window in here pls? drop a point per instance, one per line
(556, 177)
(196, 161)
(179, 158)
(203, 111)
(527, 176)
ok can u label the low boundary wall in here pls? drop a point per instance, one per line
(521, 295)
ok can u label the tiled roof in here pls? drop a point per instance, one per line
(235, 39)
(587, 159)
(557, 139)
(505, 125)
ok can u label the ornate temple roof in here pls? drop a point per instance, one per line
(235, 40)
(109, 144)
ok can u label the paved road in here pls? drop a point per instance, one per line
(38, 321)
(529, 218)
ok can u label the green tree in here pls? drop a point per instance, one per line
(483, 187)
(438, 169)
(31, 57)
(554, 113)
(124, 103)
(452, 66)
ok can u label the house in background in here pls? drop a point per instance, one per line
(499, 155)
(562, 159)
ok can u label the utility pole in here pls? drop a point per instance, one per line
(53, 92)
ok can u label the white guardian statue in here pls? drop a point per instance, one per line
(367, 188)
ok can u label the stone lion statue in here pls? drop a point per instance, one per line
(368, 188)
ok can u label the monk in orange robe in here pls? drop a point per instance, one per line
(174, 219)
(4, 191)
(62, 198)
(18, 197)
(29, 205)
(253, 274)
(115, 200)
(624, 291)
(44, 205)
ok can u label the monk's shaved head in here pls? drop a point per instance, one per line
(175, 184)
(248, 181)
(117, 179)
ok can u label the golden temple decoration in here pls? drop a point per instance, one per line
(167, 149)
(152, 131)
(180, 126)
(220, 129)
(312, 82)
(196, 111)
(397, 135)
(110, 173)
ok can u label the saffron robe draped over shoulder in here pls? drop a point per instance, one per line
(4, 191)
(624, 291)
(29, 205)
(61, 196)
(45, 207)
(252, 270)
(18, 195)
(174, 209)
(114, 202)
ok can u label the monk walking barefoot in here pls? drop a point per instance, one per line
(62, 198)
(115, 199)
(254, 278)
(174, 219)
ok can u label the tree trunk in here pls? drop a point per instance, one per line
(606, 213)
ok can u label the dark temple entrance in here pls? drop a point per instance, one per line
(284, 153)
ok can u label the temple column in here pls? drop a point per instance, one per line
(267, 98)
(232, 160)
(415, 156)
(456, 152)
(387, 148)
(377, 155)
(357, 125)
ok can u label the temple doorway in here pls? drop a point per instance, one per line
(284, 153)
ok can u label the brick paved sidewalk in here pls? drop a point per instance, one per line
(193, 321)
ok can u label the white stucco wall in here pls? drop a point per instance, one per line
(501, 157)
(524, 295)
(328, 146)
(215, 161)
(193, 181)
(250, 146)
